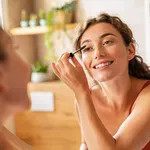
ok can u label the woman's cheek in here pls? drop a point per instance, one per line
(85, 59)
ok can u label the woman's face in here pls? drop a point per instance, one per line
(105, 55)
(16, 76)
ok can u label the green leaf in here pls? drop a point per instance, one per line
(39, 67)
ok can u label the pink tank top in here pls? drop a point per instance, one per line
(147, 147)
(144, 86)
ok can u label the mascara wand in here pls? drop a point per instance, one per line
(72, 54)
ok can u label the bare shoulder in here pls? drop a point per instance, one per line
(139, 120)
(11, 142)
(144, 97)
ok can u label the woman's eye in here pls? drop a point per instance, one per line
(86, 49)
(107, 42)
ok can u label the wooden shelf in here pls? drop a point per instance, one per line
(37, 29)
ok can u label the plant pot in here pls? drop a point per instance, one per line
(39, 77)
(23, 23)
(42, 22)
(32, 23)
(68, 17)
(60, 17)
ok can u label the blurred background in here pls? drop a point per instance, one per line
(42, 30)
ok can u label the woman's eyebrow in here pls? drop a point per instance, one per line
(106, 34)
(85, 41)
(101, 36)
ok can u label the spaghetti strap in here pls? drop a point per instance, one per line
(144, 86)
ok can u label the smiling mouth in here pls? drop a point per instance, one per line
(102, 65)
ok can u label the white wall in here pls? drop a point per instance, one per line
(147, 28)
(0, 12)
(130, 11)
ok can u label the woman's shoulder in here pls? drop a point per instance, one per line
(11, 142)
(143, 87)
(143, 93)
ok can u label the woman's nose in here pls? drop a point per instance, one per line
(99, 52)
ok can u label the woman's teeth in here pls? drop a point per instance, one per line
(103, 64)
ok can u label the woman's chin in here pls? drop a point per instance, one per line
(103, 78)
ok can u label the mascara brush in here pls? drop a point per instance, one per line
(72, 54)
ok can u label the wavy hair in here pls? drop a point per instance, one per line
(137, 68)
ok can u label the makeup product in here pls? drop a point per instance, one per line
(72, 54)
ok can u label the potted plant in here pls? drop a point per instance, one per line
(39, 72)
(58, 16)
(33, 20)
(69, 8)
(23, 22)
(54, 21)
(63, 12)
(49, 41)
(42, 17)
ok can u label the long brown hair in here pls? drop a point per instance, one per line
(137, 67)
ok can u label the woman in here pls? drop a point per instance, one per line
(14, 76)
(114, 114)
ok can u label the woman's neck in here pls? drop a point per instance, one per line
(119, 92)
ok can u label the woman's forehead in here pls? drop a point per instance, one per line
(99, 29)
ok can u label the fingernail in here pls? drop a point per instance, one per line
(52, 63)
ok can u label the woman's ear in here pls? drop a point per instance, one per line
(131, 51)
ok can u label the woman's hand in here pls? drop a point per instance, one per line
(72, 74)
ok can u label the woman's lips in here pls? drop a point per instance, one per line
(103, 65)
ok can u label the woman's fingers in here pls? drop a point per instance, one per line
(76, 62)
(56, 69)
(60, 65)
(65, 59)
(66, 62)
(63, 67)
